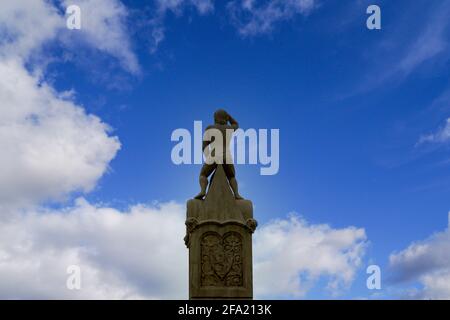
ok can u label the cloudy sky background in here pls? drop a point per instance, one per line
(86, 116)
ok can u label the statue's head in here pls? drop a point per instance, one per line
(221, 116)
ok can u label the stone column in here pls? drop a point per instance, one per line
(219, 238)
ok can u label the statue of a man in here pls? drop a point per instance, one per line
(224, 125)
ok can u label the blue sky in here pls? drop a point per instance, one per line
(348, 156)
(362, 113)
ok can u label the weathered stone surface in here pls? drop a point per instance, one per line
(221, 263)
(219, 237)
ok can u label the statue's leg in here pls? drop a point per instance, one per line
(231, 175)
(206, 171)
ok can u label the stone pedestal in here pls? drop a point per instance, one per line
(219, 237)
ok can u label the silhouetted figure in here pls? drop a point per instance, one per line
(226, 125)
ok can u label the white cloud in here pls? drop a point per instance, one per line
(441, 136)
(291, 255)
(253, 17)
(163, 7)
(177, 6)
(104, 27)
(25, 26)
(134, 254)
(250, 17)
(50, 146)
(430, 42)
(436, 286)
(426, 262)
(139, 253)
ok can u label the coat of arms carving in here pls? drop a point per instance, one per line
(221, 259)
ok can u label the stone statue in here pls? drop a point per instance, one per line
(219, 228)
(225, 125)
